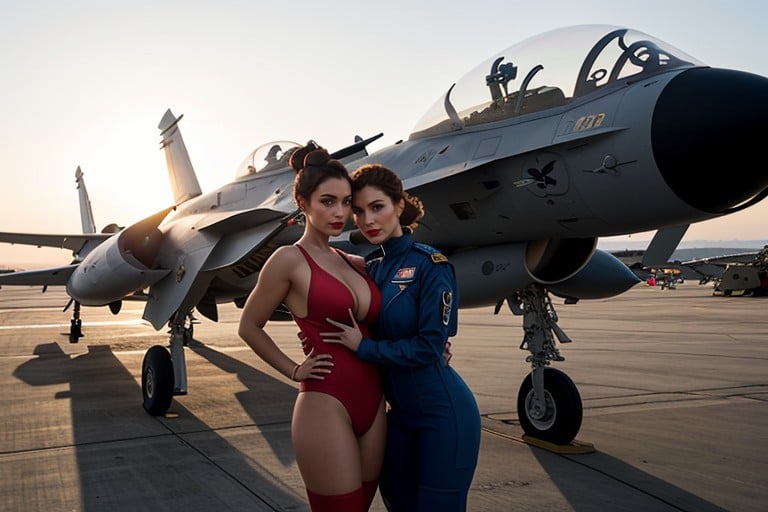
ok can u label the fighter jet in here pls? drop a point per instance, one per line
(522, 164)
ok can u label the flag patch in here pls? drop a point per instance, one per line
(406, 273)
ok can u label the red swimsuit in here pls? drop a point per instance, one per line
(354, 382)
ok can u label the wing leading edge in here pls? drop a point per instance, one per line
(72, 242)
(54, 276)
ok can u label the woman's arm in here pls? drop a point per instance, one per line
(271, 289)
(436, 322)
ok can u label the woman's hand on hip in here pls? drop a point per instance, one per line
(315, 366)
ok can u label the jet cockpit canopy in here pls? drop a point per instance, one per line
(272, 156)
(547, 71)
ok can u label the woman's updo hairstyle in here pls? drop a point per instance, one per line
(384, 179)
(313, 165)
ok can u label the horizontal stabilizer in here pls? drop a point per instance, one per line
(71, 242)
(54, 276)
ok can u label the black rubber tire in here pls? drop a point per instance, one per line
(563, 416)
(157, 380)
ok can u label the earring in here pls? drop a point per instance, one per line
(297, 220)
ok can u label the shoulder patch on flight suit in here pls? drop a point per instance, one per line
(438, 257)
(435, 255)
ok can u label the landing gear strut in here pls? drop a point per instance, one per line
(548, 402)
(76, 324)
(164, 373)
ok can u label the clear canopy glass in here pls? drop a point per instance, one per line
(268, 157)
(548, 71)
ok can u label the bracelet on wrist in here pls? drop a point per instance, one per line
(293, 373)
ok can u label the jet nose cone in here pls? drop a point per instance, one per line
(707, 132)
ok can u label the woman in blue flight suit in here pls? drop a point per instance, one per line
(433, 425)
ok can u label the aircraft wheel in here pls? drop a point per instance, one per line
(157, 380)
(560, 421)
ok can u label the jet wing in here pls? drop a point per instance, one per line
(704, 269)
(71, 242)
(54, 276)
(725, 260)
(711, 268)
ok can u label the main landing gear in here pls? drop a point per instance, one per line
(548, 403)
(164, 373)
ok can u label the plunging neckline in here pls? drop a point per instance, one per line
(314, 264)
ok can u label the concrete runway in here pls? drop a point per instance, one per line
(673, 383)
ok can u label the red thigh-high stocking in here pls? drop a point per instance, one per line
(350, 502)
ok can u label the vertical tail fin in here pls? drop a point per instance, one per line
(86, 214)
(184, 184)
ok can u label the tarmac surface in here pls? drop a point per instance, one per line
(673, 382)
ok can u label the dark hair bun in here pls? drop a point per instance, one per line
(313, 165)
(299, 157)
(318, 158)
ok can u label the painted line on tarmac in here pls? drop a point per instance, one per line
(137, 321)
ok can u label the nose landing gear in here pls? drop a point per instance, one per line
(548, 403)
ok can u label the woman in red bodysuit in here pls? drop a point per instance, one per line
(338, 427)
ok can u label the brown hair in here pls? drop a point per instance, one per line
(386, 180)
(313, 165)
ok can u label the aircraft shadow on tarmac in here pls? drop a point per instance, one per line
(265, 400)
(129, 460)
(587, 495)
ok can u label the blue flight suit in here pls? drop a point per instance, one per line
(433, 425)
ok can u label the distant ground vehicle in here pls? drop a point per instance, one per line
(745, 278)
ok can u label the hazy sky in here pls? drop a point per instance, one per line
(85, 82)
